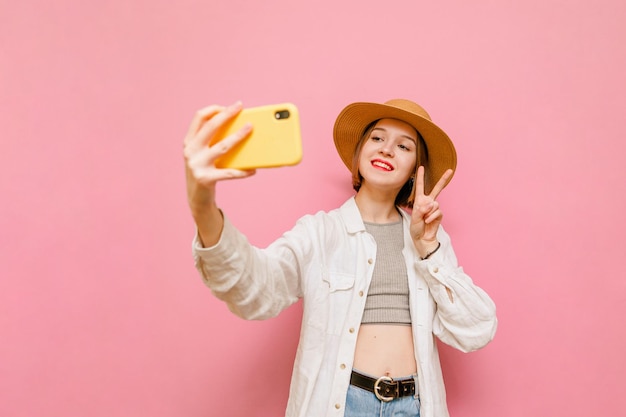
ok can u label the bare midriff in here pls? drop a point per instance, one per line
(385, 350)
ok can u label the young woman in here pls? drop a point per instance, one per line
(378, 275)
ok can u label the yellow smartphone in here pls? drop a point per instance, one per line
(275, 139)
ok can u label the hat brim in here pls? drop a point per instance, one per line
(354, 119)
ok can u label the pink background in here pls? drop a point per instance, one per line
(101, 310)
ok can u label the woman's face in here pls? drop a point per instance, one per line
(388, 155)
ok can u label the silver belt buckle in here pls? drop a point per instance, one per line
(377, 388)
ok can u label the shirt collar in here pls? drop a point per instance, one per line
(352, 216)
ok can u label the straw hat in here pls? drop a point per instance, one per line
(354, 119)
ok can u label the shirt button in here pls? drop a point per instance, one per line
(342, 366)
(435, 270)
(351, 330)
(370, 261)
(337, 406)
(360, 293)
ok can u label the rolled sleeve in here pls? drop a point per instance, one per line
(255, 283)
(466, 315)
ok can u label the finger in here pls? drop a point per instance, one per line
(421, 211)
(427, 208)
(211, 175)
(209, 122)
(419, 181)
(201, 116)
(441, 184)
(229, 174)
(202, 161)
(225, 145)
(433, 216)
(203, 172)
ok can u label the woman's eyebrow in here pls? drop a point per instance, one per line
(404, 136)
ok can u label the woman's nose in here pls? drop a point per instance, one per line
(386, 150)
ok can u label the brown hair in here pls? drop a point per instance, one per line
(406, 195)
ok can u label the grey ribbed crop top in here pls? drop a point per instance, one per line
(388, 295)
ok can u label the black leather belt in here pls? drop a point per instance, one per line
(385, 388)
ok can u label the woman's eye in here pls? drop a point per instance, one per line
(376, 138)
(404, 147)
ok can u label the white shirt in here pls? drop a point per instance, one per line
(327, 259)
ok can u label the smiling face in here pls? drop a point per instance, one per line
(388, 155)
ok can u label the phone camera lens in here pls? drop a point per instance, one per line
(283, 114)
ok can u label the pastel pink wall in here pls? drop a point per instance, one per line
(101, 310)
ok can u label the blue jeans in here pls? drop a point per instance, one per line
(362, 403)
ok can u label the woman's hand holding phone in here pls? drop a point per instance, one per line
(201, 171)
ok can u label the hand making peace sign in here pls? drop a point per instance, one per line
(427, 215)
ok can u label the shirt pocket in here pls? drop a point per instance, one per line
(338, 281)
(330, 307)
